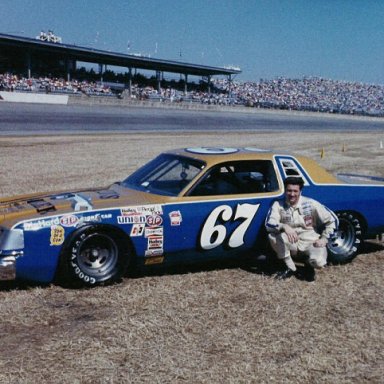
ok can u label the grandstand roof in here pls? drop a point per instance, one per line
(78, 53)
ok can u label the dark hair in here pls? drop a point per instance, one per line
(294, 180)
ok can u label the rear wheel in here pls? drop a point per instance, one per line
(95, 255)
(347, 241)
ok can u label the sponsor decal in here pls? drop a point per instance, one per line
(286, 217)
(137, 230)
(148, 214)
(131, 211)
(154, 260)
(131, 219)
(65, 221)
(155, 242)
(154, 221)
(69, 221)
(57, 235)
(151, 209)
(308, 221)
(307, 212)
(145, 210)
(96, 218)
(175, 218)
(154, 232)
(40, 224)
(154, 252)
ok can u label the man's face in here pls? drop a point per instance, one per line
(292, 194)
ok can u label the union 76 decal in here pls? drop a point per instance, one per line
(214, 234)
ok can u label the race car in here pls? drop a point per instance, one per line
(186, 205)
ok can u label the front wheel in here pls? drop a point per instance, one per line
(95, 255)
(347, 241)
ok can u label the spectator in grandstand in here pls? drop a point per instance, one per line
(306, 94)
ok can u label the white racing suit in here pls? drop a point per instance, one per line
(311, 221)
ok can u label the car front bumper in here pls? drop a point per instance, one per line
(11, 247)
(8, 268)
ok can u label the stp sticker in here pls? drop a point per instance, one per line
(154, 221)
(69, 221)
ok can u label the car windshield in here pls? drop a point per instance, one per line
(165, 175)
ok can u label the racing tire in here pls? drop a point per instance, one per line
(94, 255)
(346, 243)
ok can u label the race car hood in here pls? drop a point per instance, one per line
(32, 206)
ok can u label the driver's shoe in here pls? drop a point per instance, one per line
(286, 274)
(309, 273)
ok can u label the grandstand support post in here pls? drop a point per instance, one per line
(158, 81)
(101, 73)
(230, 86)
(185, 84)
(209, 84)
(130, 82)
(67, 69)
(29, 72)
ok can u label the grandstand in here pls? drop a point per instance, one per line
(46, 54)
(46, 65)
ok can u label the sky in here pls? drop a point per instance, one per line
(333, 39)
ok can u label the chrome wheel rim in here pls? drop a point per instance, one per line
(343, 242)
(97, 255)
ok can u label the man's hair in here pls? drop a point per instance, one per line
(294, 180)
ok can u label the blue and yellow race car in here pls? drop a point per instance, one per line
(186, 205)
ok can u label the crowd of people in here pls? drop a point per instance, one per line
(306, 94)
(10, 82)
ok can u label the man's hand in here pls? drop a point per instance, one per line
(321, 243)
(291, 234)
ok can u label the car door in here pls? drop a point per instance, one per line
(222, 215)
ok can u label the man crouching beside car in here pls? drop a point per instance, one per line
(299, 227)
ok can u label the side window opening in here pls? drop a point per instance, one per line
(290, 169)
(239, 177)
(165, 175)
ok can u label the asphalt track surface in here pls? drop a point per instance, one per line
(37, 119)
